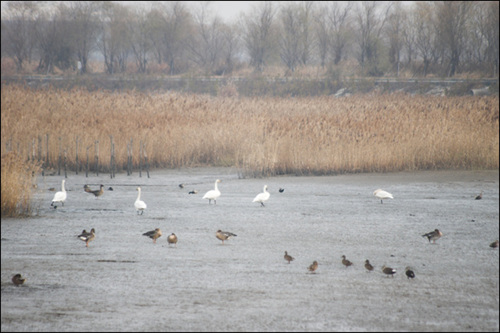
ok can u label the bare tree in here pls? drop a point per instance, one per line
(259, 35)
(425, 33)
(290, 37)
(395, 29)
(140, 41)
(339, 18)
(453, 21)
(370, 24)
(19, 31)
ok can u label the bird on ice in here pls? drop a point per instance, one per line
(18, 279)
(262, 197)
(409, 273)
(223, 235)
(172, 239)
(368, 266)
(153, 234)
(346, 262)
(313, 267)
(60, 196)
(213, 194)
(433, 235)
(288, 257)
(87, 236)
(381, 194)
(388, 270)
(139, 205)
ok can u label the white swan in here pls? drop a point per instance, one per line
(261, 197)
(60, 196)
(139, 204)
(382, 195)
(213, 194)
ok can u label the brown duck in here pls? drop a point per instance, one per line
(87, 236)
(433, 235)
(388, 270)
(313, 267)
(172, 239)
(346, 262)
(368, 266)
(18, 280)
(288, 257)
(223, 235)
(153, 234)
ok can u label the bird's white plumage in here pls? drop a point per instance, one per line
(261, 197)
(213, 194)
(139, 204)
(61, 195)
(381, 194)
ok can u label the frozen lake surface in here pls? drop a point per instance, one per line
(124, 282)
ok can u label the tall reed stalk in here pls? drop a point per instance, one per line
(261, 136)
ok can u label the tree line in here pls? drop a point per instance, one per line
(442, 38)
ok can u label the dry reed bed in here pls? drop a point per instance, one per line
(261, 136)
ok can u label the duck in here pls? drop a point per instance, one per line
(18, 280)
(97, 193)
(388, 270)
(480, 196)
(213, 194)
(433, 235)
(281, 190)
(153, 234)
(86, 188)
(288, 257)
(193, 192)
(368, 266)
(87, 236)
(409, 273)
(110, 189)
(494, 244)
(60, 196)
(223, 235)
(262, 197)
(181, 185)
(172, 239)
(346, 262)
(313, 267)
(140, 205)
(381, 194)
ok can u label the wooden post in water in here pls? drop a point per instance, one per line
(39, 148)
(59, 159)
(76, 157)
(96, 157)
(47, 162)
(111, 158)
(87, 169)
(140, 158)
(65, 163)
(146, 160)
(33, 149)
(129, 158)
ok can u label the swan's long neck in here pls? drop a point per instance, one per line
(62, 186)
(265, 189)
(138, 194)
(216, 188)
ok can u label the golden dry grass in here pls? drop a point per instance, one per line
(18, 179)
(260, 136)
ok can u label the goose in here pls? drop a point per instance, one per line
(172, 239)
(388, 270)
(288, 257)
(480, 196)
(433, 235)
(312, 268)
(368, 266)
(18, 280)
(346, 262)
(153, 234)
(87, 236)
(409, 273)
(97, 193)
(60, 196)
(494, 244)
(382, 195)
(223, 235)
(261, 197)
(139, 204)
(213, 194)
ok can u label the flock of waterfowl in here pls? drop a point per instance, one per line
(140, 206)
